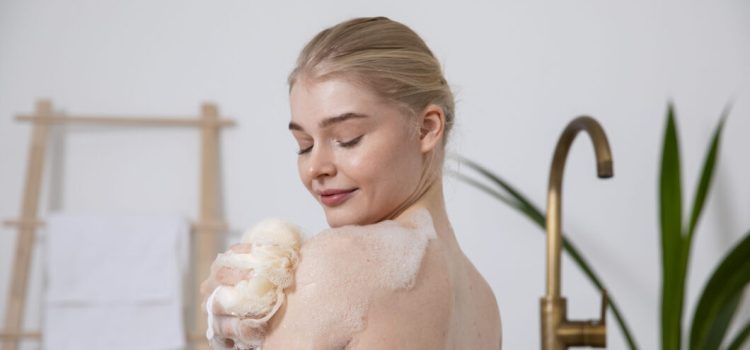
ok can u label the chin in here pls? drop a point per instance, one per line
(337, 217)
(337, 220)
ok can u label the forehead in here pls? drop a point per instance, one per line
(330, 93)
(311, 101)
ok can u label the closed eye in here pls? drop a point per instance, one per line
(345, 144)
(352, 142)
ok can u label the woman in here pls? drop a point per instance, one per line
(371, 113)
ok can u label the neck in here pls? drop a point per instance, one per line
(434, 202)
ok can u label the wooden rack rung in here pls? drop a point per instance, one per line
(37, 336)
(25, 335)
(23, 223)
(196, 227)
(123, 120)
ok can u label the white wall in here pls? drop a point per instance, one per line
(521, 70)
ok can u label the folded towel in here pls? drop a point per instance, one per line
(115, 281)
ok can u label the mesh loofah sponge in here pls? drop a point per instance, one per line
(273, 256)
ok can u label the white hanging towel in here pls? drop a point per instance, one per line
(115, 282)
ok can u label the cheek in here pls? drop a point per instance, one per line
(391, 167)
(363, 168)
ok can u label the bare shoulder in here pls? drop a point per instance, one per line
(344, 273)
(384, 255)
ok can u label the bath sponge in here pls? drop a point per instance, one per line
(272, 259)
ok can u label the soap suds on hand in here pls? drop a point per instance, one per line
(272, 258)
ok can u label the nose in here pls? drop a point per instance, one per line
(321, 163)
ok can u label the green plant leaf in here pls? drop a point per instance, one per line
(741, 337)
(718, 329)
(720, 293)
(699, 201)
(487, 189)
(705, 179)
(521, 203)
(518, 201)
(670, 206)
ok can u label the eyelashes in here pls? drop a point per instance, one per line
(351, 143)
(346, 144)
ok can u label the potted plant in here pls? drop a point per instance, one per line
(721, 295)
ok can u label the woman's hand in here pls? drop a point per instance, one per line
(245, 287)
(227, 328)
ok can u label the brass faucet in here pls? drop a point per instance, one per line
(559, 333)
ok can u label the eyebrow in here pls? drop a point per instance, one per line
(331, 120)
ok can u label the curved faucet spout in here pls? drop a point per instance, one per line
(554, 194)
(557, 331)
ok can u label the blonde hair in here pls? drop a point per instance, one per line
(384, 55)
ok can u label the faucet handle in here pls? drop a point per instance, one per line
(595, 333)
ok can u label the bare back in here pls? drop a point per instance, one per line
(381, 288)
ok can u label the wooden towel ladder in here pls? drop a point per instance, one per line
(206, 230)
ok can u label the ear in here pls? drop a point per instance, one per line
(431, 127)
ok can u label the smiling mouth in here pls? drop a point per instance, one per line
(335, 199)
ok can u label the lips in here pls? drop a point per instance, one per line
(335, 197)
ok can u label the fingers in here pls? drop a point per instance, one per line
(240, 248)
(221, 344)
(223, 275)
(226, 327)
(226, 276)
(215, 309)
(249, 332)
(207, 287)
(231, 330)
(229, 276)
(218, 310)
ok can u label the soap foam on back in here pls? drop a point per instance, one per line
(348, 266)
